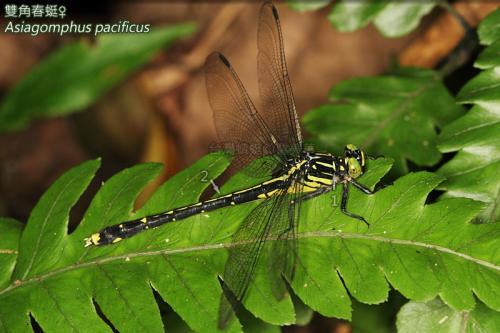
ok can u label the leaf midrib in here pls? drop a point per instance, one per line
(471, 128)
(306, 235)
(477, 90)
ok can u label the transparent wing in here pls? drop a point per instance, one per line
(240, 127)
(268, 221)
(278, 105)
(284, 249)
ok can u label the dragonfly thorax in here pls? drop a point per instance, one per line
(326, 165)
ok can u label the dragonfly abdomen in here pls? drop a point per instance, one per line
(116, 233)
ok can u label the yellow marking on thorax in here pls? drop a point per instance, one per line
(301, 163)
(274, 180)
(267, 194)
(312, 184)
(305, 188)
(284, 177)
(320, 181)
(324, 164)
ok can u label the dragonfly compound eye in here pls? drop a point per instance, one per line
(354, 168)
(350, 148)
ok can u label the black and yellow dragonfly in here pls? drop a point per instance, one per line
(271, 135)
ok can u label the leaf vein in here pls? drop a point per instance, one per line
(185, 285)
(58, 306)
(40, 235)
(120, 294)
(109, 205)
(323, 234)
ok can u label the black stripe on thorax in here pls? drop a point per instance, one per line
(324, 167)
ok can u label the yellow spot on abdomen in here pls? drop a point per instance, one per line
(95, 238)
(116, 240)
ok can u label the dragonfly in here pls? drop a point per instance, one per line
(269, 143)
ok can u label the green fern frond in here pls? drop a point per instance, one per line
(391, 115)
(473, 172)
(421, 250)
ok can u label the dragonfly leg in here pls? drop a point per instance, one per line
(343, 205)
(365, 189)
(306, 196)
(361, 187)
(374, 157)
(291, 216)
(316, 193)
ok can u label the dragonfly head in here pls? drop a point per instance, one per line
(355, 160)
